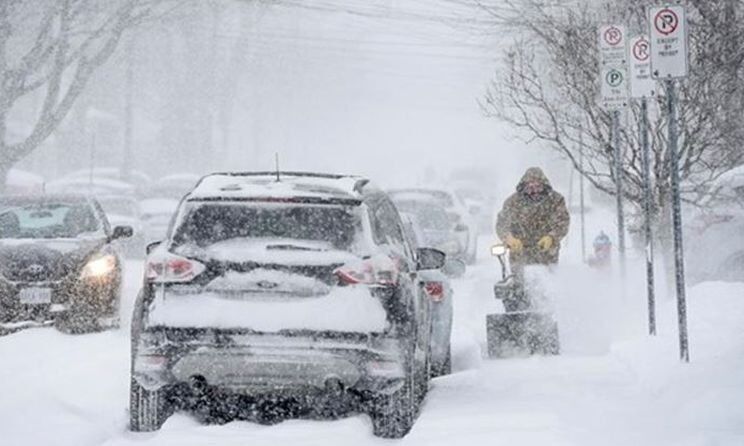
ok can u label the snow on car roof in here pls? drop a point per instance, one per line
(422, 193)
(291, 185)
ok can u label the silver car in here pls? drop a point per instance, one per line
(277, 299)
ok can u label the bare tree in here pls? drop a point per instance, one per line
(549, 89)
(49, 50)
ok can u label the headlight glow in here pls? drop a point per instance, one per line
(99, 267)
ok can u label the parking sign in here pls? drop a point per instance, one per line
(668, 31)
(642, 85)
(613, 66)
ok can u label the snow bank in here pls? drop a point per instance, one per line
(347, 309)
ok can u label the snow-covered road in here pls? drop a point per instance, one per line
(612, 385)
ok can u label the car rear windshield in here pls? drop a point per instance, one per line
(118, 206)
(46, 220)
(207, 224)
(442, 198)
(428, 216)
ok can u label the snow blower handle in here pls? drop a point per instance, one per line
(500, 251)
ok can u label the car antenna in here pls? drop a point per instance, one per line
(276, 160)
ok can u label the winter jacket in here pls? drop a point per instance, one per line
(529, 218)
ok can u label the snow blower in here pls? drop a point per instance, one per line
(526, 326)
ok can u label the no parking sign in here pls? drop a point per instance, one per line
(668, 31)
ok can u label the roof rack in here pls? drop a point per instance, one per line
(283, 173)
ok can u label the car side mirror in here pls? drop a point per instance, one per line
(151, 247)
(454, 267)
(430, 258)
(122, 232)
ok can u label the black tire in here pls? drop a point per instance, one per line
(444, 368)
(148, 409)
(393, 415)
(76, 323)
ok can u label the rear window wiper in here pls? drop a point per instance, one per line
(291, 247)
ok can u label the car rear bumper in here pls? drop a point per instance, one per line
(260, 364)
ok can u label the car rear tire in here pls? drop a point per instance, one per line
(148, 409)
(393, 415)
(76, 323)
(443, 368)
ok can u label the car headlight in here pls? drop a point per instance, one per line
(99, 267)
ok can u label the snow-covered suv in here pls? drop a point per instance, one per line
(283, 295)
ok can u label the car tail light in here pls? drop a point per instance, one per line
(378, 270)
(435, 290)
(170, 268)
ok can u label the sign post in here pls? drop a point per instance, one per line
(669, 62)
(581, 193)
(643, 86)
(614, 91)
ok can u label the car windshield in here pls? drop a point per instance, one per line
(290, 226)
(46, 220)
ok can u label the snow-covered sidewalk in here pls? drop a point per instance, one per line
(72, 390)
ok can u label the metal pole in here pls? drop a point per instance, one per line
(617, 154)
(647, 223)
(581, 193)
(679, 261)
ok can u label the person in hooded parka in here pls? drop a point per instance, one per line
(533, 221)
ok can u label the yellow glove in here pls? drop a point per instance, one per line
(545, 243)
(514, 243)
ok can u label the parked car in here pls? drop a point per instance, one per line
(136, 178)
(272, 298)
(156, 214)
(462, 222)
(57, 263)
(434, 228)
(172, 186)
(93, 186)
(123, 210)
(437, 287)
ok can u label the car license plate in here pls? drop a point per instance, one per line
(36, 296)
